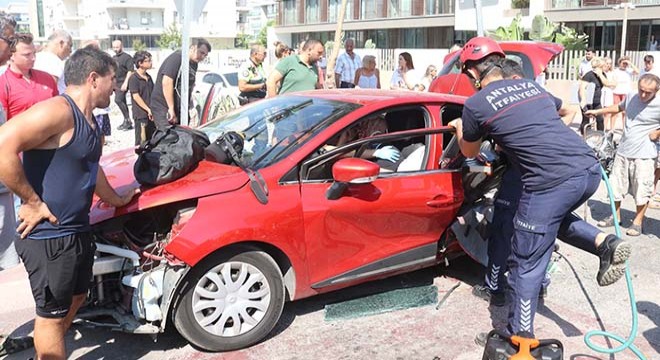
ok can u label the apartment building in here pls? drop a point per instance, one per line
(440, 23)
(129, 20)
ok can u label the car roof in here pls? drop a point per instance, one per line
(372, 96)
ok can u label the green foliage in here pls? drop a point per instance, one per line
(262, 37)
(570, 38)
(513, 32)
(520, 4)
(369, 44)
(138, 45)
(242, 41)
(171, 38)
(542, 29)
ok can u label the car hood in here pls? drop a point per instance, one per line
(207, 179)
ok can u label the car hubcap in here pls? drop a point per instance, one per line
(231, 299)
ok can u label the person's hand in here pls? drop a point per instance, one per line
(591, 113)
(654, 135)
(126, 197)
(171, 116)
(455, 123)
(389, 153)
(150, 115)
(32, 214)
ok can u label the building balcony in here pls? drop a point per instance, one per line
(131, 4)
(577, 4)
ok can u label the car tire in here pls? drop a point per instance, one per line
(251, 293)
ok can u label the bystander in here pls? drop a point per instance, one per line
(141, 86)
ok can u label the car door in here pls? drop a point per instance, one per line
(388, 225)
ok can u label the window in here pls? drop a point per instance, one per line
(145, 17)
(434, 7)
(290, 13)
(371, 9)
(312, 11)
(353, 141)
(333, 10)
(399, 8)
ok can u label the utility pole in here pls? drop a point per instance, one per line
(480, 19)
(624, 29)
(332, 57)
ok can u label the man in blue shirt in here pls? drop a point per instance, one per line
(559, 172)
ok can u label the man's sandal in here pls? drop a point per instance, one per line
(12, 345)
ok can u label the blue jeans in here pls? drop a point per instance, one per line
(541, 217)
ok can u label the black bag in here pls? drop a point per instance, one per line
(171, 153)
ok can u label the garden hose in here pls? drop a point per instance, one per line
(625, 343)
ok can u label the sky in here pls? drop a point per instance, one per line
(4, 3)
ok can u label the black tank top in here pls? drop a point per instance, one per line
(65, 178)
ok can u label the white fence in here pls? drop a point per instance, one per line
(563, 67)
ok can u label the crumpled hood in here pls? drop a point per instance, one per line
(207, 179)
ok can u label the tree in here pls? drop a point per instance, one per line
(332, 59)
(262, 37)
(138, 45)
(512, 32)
(171, 38)
(542, 30)
(242, 41)
(369, 44)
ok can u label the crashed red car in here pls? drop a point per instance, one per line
(533, 55)
(310, 202)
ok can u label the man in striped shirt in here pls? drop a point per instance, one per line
(347, 65)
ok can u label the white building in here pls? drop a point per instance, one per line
(20, 12)
(129, 20)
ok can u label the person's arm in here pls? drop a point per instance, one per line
(168, 93)
(243, 86)
(358, 73)
(41, 126)
(108, 195)
(603, 78)
(567, 113)
(128, 63)
(271, 84)
(582, 93)
(469, 149)
(377, 79)
(612, 109)
(339, 66)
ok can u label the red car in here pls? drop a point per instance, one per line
(533, 55)
(331, 188)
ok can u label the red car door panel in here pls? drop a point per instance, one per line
(375, 221)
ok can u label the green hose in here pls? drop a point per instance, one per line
(625, 343)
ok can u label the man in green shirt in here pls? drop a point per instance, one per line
(297, 72)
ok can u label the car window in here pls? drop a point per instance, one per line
(232, 78)
(212, 78)
(274, 128)
(396, 154)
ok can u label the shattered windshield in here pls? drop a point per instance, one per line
(273, 128)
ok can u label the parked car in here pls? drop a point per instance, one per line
(215, 93)
(533, 55)
(305, 206)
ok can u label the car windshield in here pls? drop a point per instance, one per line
(232, 78)
(273, 128)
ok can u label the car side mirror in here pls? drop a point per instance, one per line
(351, 171)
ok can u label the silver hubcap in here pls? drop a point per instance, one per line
(231, 299)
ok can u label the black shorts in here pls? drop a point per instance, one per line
(59, 268)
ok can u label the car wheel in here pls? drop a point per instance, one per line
(231, 304)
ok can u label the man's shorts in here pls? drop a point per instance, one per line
(59, 268)
(634, 177)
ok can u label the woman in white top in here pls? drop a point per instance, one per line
(404, 78)
(624, 83)
(427, 79)
(606, 95)
(367, 77)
